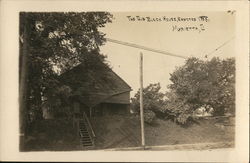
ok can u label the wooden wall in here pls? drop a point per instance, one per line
(123, 98)
(104, 109)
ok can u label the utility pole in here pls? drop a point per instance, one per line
(141, 101)
(141, 75)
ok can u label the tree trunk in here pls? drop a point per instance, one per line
(38, 99)
(23, 52)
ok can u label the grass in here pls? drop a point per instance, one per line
(124, 131)
(51, 135)
(206, 131)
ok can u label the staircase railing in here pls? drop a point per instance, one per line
(89, 127)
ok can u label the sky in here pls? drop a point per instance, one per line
(181, 33)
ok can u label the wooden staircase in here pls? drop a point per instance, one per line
(86, 133)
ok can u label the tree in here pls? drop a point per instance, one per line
(51, 43)
(202, 83)
(57, 101)
(153, 101)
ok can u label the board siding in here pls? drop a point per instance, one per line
(123, 98)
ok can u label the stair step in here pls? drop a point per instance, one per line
(86, 143)
(84, 130)
(85, 134)
(85, 139)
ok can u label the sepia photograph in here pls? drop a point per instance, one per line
(126, 80)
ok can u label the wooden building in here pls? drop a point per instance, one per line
(97, 91)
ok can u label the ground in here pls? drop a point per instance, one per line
(122, 132)
(51, 135)
(118, 132)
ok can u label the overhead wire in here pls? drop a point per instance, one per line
(210, 53)
(144, 48)
(161, 51)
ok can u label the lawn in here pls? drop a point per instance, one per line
(51, 135)
(116, 132)
(122, 132)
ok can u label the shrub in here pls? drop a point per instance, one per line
(149, 116)
(152, 102)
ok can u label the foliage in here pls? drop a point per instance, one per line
(209, 84)
(57, 101)
(152, 101)
(176, 108)
(202, 83)
(149, 116)
(52, 43)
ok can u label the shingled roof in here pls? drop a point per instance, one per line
(93, 86)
